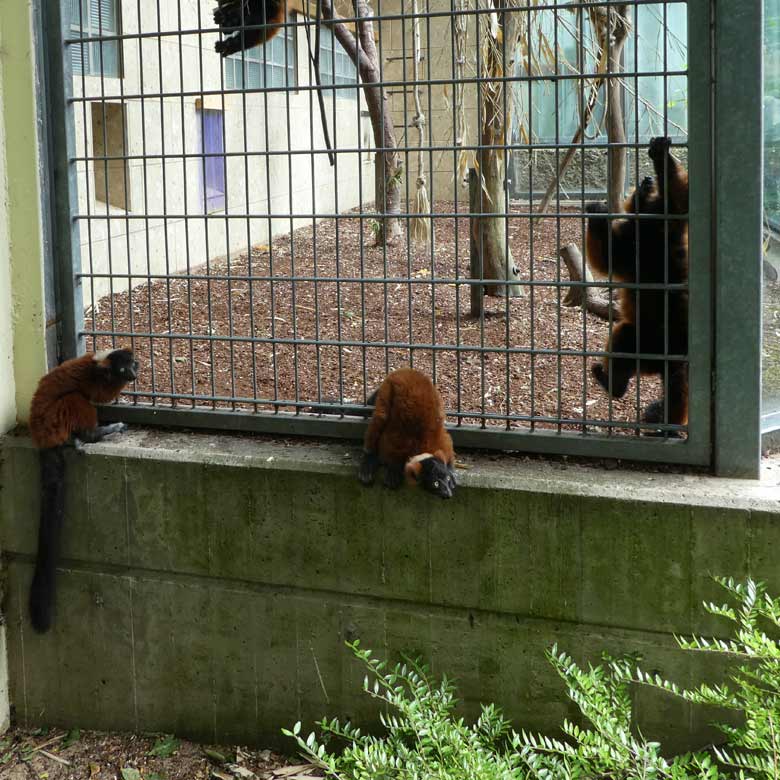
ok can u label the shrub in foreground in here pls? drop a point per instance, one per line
(425, 740)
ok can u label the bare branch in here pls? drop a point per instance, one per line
(591, 298)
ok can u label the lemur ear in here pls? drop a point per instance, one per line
(412, 470)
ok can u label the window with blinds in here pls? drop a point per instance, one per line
(270, 65)
(95, 19)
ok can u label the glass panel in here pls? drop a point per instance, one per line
(278, 52)
(771, 345)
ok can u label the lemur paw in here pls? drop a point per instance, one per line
(368, 468)
(394, 477)
(600, 375)
(659, 147)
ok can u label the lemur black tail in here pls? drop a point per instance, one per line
(42, 590)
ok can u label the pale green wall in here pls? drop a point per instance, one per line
(22, 318)
(7, 384)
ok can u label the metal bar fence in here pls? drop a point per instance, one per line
(244, 269)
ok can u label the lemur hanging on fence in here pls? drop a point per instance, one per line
(231, 14)
(63, 410)
(659, 249)
(406, 435)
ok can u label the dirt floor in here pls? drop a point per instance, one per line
(365, 316)
(72, 755)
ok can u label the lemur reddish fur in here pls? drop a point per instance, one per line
(408, 420)
(64, 402)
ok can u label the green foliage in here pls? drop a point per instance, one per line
(609, 744)
(752, 748)
(165, 746)
(425, 740)
(71, 738)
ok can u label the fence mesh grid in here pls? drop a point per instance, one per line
(273, 231)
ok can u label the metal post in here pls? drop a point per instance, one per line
(476, 291)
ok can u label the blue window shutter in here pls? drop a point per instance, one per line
(214, 167)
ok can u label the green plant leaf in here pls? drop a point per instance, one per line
(165, 746)
(128, 773)
(73, 736)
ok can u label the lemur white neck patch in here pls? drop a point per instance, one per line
(418, 458)
(103, 354)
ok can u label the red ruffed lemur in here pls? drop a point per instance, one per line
(406, 435)
(62, 412)
(649, 322)
(263, 18)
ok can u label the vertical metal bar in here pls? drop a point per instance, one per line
(456, 145)
(87, 178)
(184, 162)
(504, 152)
(701, 228)
(145, 172)
(580, 83)
(61, 190)
(226, 206)
(637, 229)
(203, 158)
(164, 172)
(430, 180)
(476, 291)
(481, 86)
(336, 221)
(738, 168)
(291, 180)
(531, 250)
(557, 87)
(314, 245)
(106, 179)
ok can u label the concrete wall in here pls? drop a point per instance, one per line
(209, 583)
(172, 126)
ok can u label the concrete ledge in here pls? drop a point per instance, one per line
(209, 582)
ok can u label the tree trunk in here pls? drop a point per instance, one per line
(387, 162)
(491, 224)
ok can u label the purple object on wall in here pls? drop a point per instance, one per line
(213, 167)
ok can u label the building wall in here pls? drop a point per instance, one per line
(298, 184)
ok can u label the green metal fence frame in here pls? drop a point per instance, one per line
(725, 114)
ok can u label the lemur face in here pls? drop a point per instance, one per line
(121, 364)
(435, 476)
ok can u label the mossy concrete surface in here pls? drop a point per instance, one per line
(209, 583)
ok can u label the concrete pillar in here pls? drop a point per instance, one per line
(22, 318)
(21, 260)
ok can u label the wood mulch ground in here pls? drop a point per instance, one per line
(72, 755)
(364, 316)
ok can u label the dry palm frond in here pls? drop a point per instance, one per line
(420, 226)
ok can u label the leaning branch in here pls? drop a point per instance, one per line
(591, 298)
